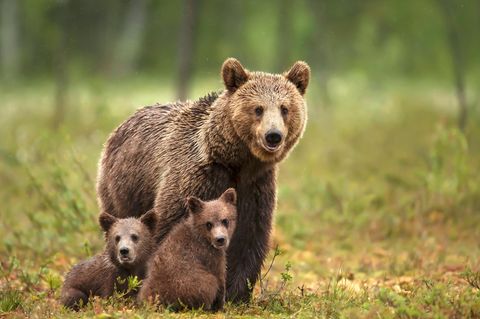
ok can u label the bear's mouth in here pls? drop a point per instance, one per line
(269, 149)
(125, 260)
(220, 247)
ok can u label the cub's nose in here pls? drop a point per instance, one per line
(273, 137)
(220, 241)
(124, 251)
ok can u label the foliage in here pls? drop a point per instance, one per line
(405, 38)
(378, 205)
(377, 213)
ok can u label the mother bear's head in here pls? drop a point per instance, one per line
(268, 111)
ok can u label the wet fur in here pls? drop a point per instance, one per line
(164, 153)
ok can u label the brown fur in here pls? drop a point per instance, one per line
(164, 153)
(98, 276)
(188, 269)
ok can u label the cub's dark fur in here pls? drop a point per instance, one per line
(188, 269)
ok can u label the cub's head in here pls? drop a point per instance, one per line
(214, 220)
(268, 111)
(129, 241)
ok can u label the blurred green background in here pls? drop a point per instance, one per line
(184, 42)
(383, 185)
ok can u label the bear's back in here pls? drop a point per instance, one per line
(127, 180)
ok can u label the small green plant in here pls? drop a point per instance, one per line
(472, 277)
(10, 300)
(53, 280)
(264, 278)
(7, 270)
(402, 305)
(287, 275)
(279, 298)
(131, 284)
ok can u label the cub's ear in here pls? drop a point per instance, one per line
(234, 75)
(149, 219)
(229, 196)
(299, 74)
(106, 221)
(194, 205)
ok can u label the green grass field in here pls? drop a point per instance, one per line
(378, 206)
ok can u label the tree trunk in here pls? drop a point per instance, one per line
(108, 32)
(186, 46)
(454, 45)
(60, 66)
(320, 58)
(285, 34)
(9, 35)
(129, 43)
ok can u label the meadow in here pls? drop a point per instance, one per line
(378, 206)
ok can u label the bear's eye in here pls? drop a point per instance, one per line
(209, 225)
(134, 238)
(284, 110)
(225, 222)
(117, 238)
(258, 111)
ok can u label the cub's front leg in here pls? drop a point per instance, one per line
(74, 298)
(219, 301)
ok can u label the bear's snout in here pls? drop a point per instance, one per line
(124, 251)
(219, 238)
(273, 138)
(220, 241)
(126, 254)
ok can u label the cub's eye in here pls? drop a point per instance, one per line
(284, 110)
(134, 238)
(258, 111)
(209, 225)
(117, 238)
(225, 222)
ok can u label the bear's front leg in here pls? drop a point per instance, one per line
(219, 301)
(250, 242)
(74, 298)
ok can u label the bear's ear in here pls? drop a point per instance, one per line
(106, 221)
(299, 74)
(194, 205)
(234, 75)
(229, 196)
(150, 220)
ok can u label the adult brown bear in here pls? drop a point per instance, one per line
(164, 153)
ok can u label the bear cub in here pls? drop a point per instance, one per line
(129, 244)
(189, 267)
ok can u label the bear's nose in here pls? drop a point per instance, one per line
(273, 137)
(124, 251)
(220, 241)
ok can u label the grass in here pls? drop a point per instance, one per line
(377, 216)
